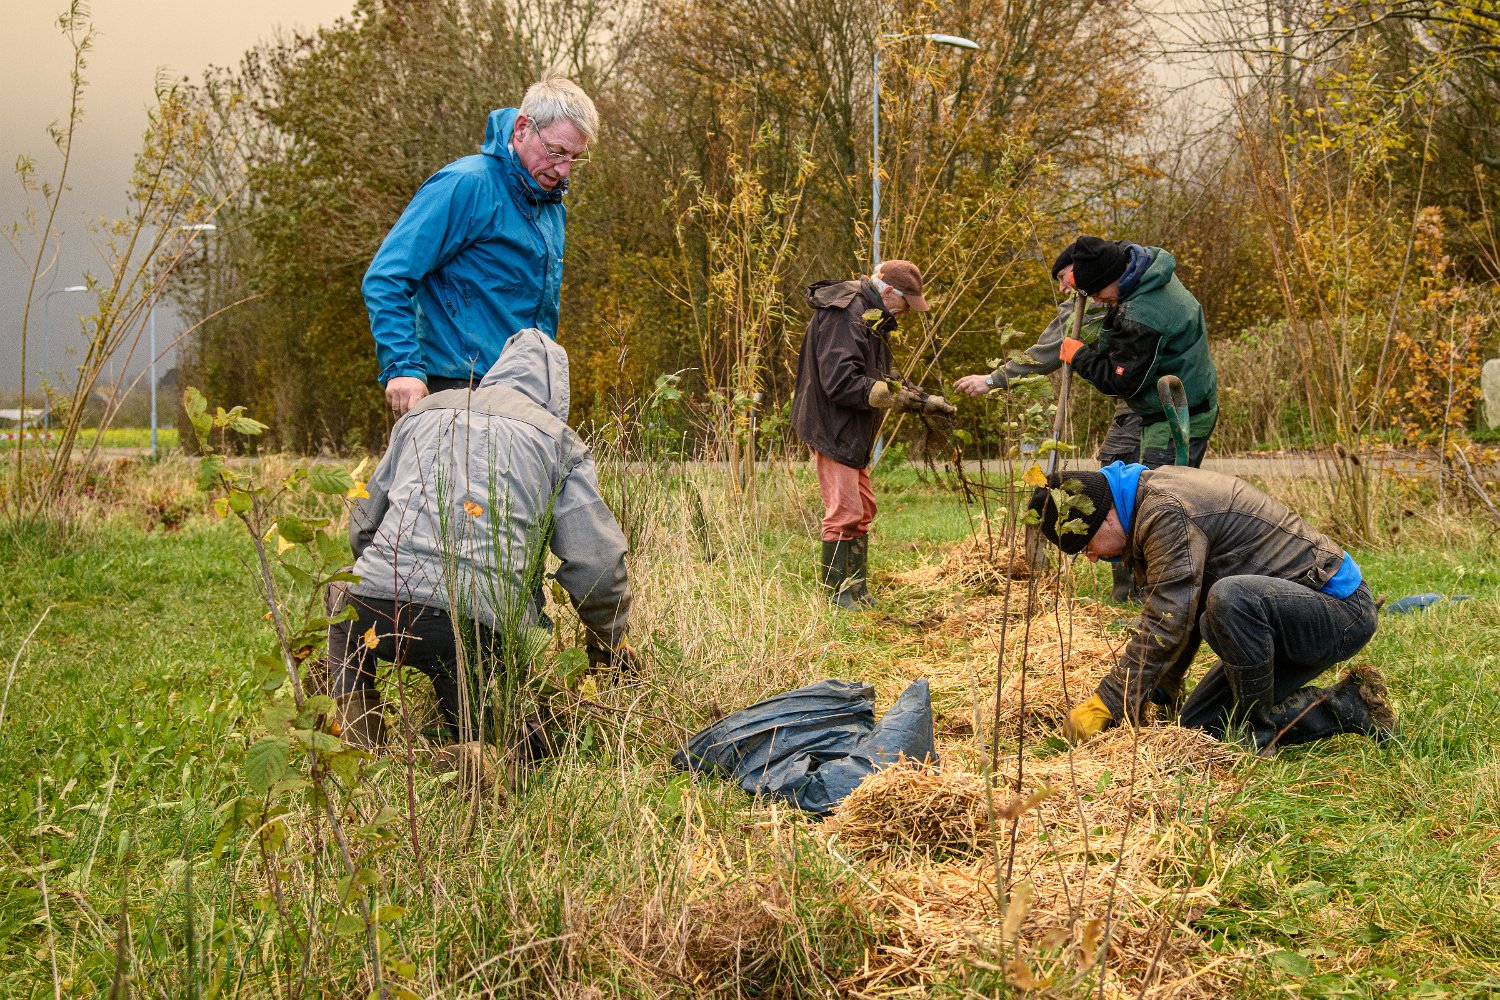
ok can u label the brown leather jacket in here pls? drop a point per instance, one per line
(1191, 529)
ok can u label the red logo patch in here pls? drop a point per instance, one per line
(1119, 369)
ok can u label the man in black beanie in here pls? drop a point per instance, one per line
(1153, 327)
(1122, 442)
(1219, 561)
(1104, 263)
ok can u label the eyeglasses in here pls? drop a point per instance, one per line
(555, 153)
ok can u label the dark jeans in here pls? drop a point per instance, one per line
(415, 635)
(1251, 620)
(1155, 458)
(1122, 442)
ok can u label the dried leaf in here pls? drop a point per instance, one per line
(1019, 975)
(1016, 910)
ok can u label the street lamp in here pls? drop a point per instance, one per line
(47, 349)
(954, 41)
(202, 227)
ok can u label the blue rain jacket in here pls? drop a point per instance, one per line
(476, 256)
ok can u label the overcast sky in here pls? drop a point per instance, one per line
(136, 40)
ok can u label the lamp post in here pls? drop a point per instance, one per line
(47, 333)
(955, 41)
(202, 227)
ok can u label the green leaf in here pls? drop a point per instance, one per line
(389, 912)
(241, 500)
(314, 739)
(278, 714)
(334, 550)
(270, 671)
(266, 763)
(345, 764)
(288, 785)
(314, 708)
(294, 530)
(330, 479)
(1291, 963)
(349, 923)
(197, 411)
(363, 878)
(210, 467)
(244, 425)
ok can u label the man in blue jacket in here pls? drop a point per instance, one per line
(478, 254)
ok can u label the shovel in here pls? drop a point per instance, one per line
(1175, 405)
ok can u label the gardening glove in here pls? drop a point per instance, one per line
(939, 406)
(903, 400)
(1087, 720)
(1070, 347)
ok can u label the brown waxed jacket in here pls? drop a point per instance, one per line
(842, 355)
(1189, 530)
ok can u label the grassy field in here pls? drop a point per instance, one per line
(1160, 865)
(114, 437)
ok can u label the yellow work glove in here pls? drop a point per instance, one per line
(1086, 720)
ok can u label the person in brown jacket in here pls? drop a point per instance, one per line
(842, 394)
(1219, 561)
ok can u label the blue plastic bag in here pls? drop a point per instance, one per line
(1417, 602)
(812, 746)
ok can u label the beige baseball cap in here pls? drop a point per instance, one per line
(906, 278)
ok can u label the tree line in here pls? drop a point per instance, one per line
(1333, 219)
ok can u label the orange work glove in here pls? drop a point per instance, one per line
(1087, 720)
(1069, 348)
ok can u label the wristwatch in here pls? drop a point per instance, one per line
(989, 380)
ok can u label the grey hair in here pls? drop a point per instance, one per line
(556, 97)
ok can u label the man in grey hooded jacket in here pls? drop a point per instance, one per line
(473, 490)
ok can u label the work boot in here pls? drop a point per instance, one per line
(1123, 590)
(834, 573)
(1356, 704)
(859, 571)
(362, 719)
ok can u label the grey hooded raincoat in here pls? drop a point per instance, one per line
(475, 488)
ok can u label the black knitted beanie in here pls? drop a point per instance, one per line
(1097, 263)
(1080, 484)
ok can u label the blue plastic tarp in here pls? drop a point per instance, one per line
(812, 746)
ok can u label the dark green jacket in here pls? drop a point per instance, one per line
(1158, 330)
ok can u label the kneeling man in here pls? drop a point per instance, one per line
(1218, 560)
(450, 545)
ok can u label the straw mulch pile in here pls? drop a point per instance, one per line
(1098, 857)
(1111, 862)
(979, 566)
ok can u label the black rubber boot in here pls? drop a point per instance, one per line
(1123, 591)
(1356, 704)
(859, 571)
(834, 573)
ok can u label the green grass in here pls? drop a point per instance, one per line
(114, 437)
(1343, 869)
